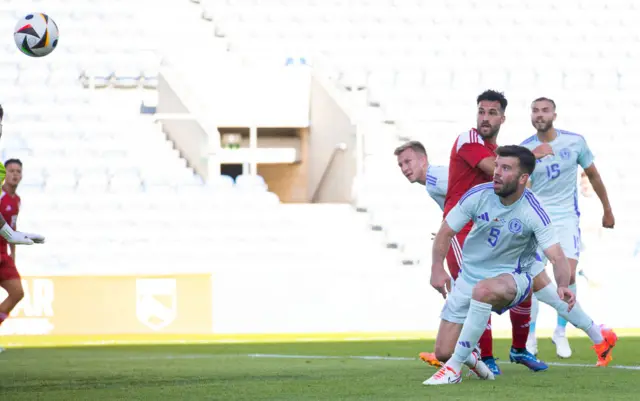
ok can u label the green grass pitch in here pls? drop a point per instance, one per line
(233, 372)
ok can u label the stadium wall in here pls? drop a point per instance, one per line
(188, 136)
(331, 127)
(318, 301)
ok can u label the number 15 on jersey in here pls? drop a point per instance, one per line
(553, 171)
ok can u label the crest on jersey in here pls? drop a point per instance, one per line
(156, 302)
(515, 226)
(565, 154)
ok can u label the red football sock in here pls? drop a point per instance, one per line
(520, 319)
(486, 342)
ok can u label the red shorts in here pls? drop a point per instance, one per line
(454, 256)
(8, 270)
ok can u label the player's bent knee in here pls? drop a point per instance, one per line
(484, 292)
(18, 295)
(15, 293)
(496, 291)
(14, 298)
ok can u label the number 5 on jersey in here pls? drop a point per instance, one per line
(553, 171)
(494, 234)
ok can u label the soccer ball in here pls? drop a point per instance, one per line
(36, 35)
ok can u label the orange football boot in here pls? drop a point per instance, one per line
(604, 349)
(430, 359)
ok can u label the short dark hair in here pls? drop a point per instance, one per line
(493, 96)
(545, 99)
(417, 147)
(13, 161)
(525, 157)
(1, 112)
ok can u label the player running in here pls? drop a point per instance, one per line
(472, 162)
(414, 164)
(509, 223)
(554, 183)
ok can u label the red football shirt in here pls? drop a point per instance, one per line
(9, 208)
(468, 150)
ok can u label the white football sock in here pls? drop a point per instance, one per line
(474, 326)
(577, 317)
(595, 333)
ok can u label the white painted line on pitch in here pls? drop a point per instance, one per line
(371, 358)
(584, 365)
(276, 356)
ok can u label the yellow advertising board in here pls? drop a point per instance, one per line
(78, 305)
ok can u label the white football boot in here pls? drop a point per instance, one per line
(563, 350)
(446, 375)
(480, 369)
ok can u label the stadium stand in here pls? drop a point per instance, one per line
(94, 165)
(105, 183)
(420, 65)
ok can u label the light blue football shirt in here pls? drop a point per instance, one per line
(436, 183)
(555, 178)
(503, 239)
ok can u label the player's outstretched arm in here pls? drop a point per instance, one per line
(608, 221)
(17, 237)
(440, 279)
(562, 272)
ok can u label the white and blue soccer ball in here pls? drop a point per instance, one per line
(36, 35)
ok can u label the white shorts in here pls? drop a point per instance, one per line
(538, 266)
(458, 301)
(568, 232)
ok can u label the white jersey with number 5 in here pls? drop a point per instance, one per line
(436, 183)
(503, 239)
(554, 180)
